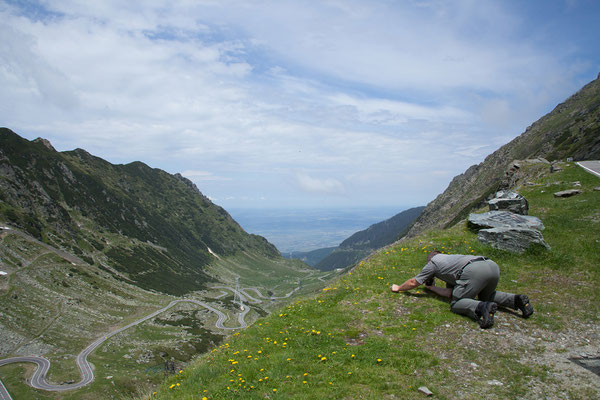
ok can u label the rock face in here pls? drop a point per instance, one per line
(509, 201)
(506, 230)
(516, 240)
(503, 219)
(567, 193)
(555, 168)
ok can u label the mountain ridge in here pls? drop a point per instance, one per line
(362, 243)
(69, 199)
(571, 129)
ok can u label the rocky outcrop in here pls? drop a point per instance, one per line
(45, 142)
(509, 201)
(507, 230)
(503, 219)
(515, 240)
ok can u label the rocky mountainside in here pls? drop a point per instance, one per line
(154, 229)
(364, 242)
(572, 129)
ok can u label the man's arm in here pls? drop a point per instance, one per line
(444, 292)
(408, 285)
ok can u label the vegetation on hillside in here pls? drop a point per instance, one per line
(356, 339)
(74, 200)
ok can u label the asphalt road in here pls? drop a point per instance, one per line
(592, 166)
(4, 393)
(38, 380)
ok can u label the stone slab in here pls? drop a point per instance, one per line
(509, 201)
(567, 193)
(503, 219)
(425, 391)
(515, 240)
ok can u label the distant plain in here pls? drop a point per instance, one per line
(309, 229)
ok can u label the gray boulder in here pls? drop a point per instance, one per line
(567, 193)
(503, 219)
(515, 240)
(509, 201)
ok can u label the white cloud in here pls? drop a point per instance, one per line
(365, 93)
(319, 185)
(203, 176)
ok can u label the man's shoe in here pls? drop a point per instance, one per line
(523, 304)
(485, 312)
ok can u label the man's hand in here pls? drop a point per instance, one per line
(409, 284)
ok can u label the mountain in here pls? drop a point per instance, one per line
(364, 242)
(572, 129)
(312, 257)
(155, 229)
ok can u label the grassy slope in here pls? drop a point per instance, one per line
(356, 339)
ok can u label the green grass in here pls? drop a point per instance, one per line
(357, 340)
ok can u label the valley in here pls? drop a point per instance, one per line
(127, 346)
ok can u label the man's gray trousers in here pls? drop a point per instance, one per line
(478, 279)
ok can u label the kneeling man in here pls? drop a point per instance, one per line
(467, 277)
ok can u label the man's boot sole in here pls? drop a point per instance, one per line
(526, 308)
(486, 320)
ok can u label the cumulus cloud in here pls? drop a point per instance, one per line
(247, 91)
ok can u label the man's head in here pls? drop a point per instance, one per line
(433, 253)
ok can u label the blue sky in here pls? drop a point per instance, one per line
(293, 103)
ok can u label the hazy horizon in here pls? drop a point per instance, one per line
(307, 229)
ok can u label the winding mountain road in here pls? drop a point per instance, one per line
(591, 166)
(38, 380)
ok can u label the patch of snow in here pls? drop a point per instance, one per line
(3, 273)
(213, 253)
